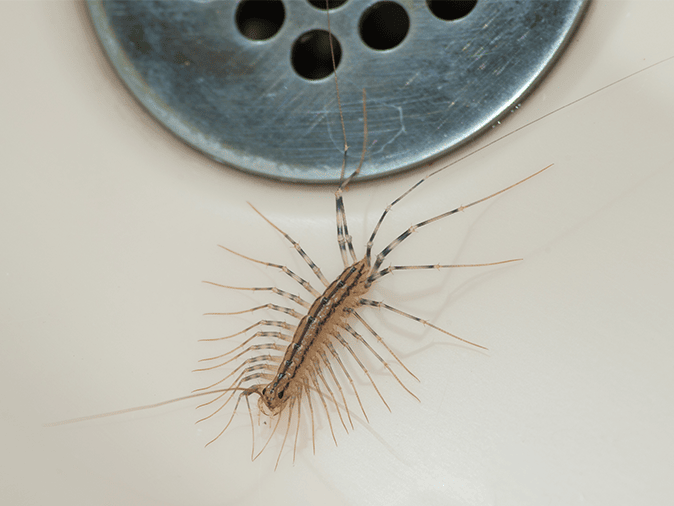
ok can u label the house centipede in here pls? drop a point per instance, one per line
(279, 393)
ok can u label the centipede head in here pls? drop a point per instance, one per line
(273, 397)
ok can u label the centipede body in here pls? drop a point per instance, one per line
(281, 381)
(457, 418)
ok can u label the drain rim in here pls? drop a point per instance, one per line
(308, 136)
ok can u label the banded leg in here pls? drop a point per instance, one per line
(391, 268)
(414, 228)
(303, 283)
(373, 303)
(317, 387)
(334, 353)
(277, 335)
(275, 307)
(312, 265)
(271, 323)
(345, 240)
(324, 359)
(318, 371)
(383, 343)
(236, 386)
(379, 357)
(245, 371)
(346, 345)
(291, 296)
(255, 347)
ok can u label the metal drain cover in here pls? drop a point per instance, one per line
(245, 82)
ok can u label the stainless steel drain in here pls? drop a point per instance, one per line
(250, 83)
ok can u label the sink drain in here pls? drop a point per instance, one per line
(250, 83)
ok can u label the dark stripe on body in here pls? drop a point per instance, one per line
(311, 325)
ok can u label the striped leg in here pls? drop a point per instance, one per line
(305, 284)
(392, 268)
(298, 248)
(373, 303)
(343, 238)
(290, 296)
(414, 228)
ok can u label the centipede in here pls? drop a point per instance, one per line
(285, 376)
(292, 367)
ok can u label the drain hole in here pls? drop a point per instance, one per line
(451, 10)
(332, 4)
(260, 19)
(310, 55)
(384, 25)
